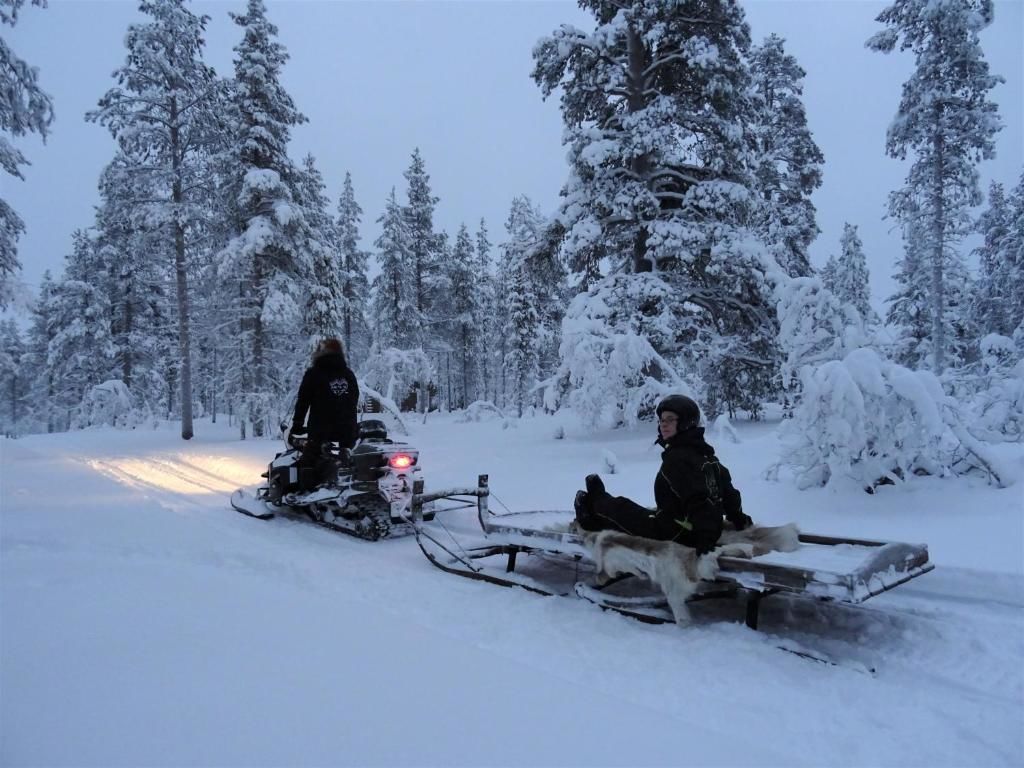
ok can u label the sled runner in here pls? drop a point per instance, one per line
(537, 551)
(366, 492)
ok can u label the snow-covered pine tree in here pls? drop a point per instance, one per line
(325, 300)
(162, 112)
(947, 120)
(354, 266)
(13, 379)
(267, 259)
(425, 247)
(24, 109)
(790, 162)
(655, 100)
(852, 286)
(394, 321)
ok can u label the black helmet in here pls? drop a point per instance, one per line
(683, 407)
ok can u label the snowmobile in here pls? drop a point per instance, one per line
(366, 492)
(542, 552)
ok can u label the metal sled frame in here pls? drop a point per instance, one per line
(858, 569)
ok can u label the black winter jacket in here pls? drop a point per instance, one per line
(693, 490)
(330, 393)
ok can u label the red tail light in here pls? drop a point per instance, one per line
(401, 461)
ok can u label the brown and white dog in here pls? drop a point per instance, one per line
(677, 570)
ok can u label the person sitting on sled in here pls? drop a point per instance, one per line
(692, 489)
(330, 394)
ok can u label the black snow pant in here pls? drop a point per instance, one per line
(316, 467)
(618, 513)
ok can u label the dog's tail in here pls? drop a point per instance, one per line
(765, 538)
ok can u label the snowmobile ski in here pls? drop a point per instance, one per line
(250, 505)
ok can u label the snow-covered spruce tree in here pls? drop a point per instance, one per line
(908, 308)
(14, 385)
(40, 333)
(1012, 247)
(993, 299)
(947, 121)
(325, 301)
(162, 112)
(81, 352)
(852, 285)
(269, 258)
(486, 322)
(463, 324)
(425, 248)
(142, 319)
(655, 100)
(533, 282)
(24, 109)
(790, 162)
(522, 367)
(394, 321)
(828, 273)
(354, 266)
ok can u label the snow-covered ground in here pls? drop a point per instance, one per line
(142, 622)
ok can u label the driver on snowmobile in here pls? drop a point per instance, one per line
(693, 489)
(330, 394)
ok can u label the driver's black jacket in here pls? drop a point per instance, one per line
(330, 394)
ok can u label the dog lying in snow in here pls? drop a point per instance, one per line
(676, 569)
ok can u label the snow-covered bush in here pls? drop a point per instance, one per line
(609, 461)
(814, 327)
(865, 420)
(992, 390)
(722, 430)
(480, 410)
(611, 367)
(387, 407)
(109, 404)
(397, 373)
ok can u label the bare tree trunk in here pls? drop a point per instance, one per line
(257, 376)
(181, 279)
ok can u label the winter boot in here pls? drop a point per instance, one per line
(584, 512)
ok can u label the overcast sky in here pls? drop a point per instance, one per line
(377, 79)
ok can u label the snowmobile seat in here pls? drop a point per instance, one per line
(373, 429)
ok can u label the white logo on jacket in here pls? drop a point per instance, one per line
(339, 387)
